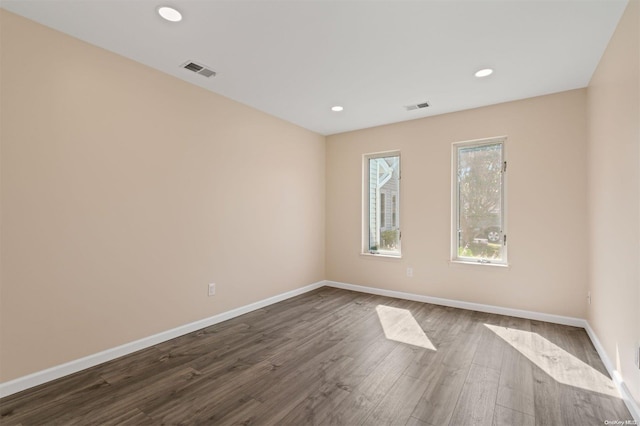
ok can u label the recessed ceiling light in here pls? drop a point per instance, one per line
(170, 14)
(337, 108)
(484, 72)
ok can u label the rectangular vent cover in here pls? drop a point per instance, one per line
(417, 106)
(199, 69)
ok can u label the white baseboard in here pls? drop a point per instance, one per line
(631, 404)
(40, 377)
(53, 373)
(557, 319)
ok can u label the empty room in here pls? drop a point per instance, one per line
(278, 212)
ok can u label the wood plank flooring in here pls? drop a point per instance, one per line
(323, 358)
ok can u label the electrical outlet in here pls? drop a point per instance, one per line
(212, 289)
(589, 297)
(410, 272)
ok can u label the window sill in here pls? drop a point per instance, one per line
(469, 262)
(382, 255)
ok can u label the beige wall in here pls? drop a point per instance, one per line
(125, 191)
(614, 197)
(546, 202)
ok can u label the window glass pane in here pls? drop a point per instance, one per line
(479, 192)
(384, 185)
(393, 211)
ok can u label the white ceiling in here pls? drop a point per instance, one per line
(295, 59)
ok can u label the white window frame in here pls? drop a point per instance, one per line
(365, 248)
(455, 211)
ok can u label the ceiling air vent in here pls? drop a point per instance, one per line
(417, 106)
(199, 69)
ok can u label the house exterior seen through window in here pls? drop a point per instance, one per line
(382, 188)
(478, 175)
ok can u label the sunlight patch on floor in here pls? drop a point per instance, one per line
(555, 361)
(401, 326)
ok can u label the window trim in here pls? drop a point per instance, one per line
(455, 208)
(364, 247)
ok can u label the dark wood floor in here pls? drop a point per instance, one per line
(324, 358)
